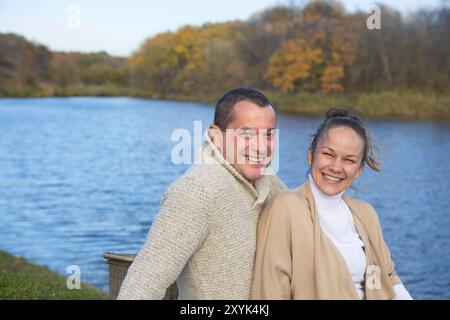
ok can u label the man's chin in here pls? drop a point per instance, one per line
(254, 173)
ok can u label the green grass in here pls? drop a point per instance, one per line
(382, 105)
(406, 105)
(23, 280)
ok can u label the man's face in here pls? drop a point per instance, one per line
(249, 141)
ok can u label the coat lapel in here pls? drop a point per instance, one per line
(327, 259)
(380, 287)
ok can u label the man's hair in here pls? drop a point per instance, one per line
(224, 113)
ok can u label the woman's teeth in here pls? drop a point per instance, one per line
(330, 178)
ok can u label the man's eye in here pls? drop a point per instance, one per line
(248, 133)
(270, 133)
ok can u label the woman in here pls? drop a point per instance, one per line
(315, 242)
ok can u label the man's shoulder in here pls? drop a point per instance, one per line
(270, 177)
(199, 178)
(206, 174)
(274, 181)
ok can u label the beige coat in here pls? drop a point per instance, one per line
(296, 260)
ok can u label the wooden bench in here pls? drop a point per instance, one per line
(118, 267)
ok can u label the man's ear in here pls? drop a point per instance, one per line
(309, 157)
(216, 136)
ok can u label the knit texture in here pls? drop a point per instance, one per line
(204, 235)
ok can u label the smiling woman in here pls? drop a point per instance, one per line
(339, 150)
(314, 242)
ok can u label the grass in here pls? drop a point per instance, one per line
(405, 105)
(408, 105)
(23, 280)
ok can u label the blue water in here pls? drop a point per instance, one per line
(81, 176)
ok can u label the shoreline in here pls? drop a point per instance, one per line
(384, 105)
(21, 279)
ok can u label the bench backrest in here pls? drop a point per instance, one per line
(118, 267)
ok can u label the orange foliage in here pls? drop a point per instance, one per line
(292, 63)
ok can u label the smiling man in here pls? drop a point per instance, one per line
(204, 236)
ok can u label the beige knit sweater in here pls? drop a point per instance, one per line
(204, 235)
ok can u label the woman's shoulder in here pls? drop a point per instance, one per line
(290, 197)
(363, 208)
(288, 203)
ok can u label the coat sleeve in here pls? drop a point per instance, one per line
(401, 293)
(177, 232)
(384, 251)
(273, 263)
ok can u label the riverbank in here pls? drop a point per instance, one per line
(23, 280)
(404, 105)
(386, 105)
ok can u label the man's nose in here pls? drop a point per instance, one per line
(260, 144)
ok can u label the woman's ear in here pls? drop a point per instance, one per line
(309, 157)
(360, 170)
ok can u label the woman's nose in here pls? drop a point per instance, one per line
(336, 167)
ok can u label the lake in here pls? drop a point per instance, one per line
(82, 176)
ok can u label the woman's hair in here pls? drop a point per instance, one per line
(336, 117)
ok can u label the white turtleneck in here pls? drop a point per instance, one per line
(337, 223)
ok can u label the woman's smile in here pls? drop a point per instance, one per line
(331, 179)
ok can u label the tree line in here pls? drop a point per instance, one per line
(318, 47)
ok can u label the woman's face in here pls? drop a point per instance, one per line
(337, 160)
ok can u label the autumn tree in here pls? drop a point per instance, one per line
(304, 46)
(293, 65)
(22, 62)
(321, 44)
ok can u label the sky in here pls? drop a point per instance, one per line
(120, 27)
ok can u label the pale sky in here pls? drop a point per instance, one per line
(120, 27)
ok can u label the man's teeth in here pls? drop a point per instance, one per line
(254, 159)
(331, 178)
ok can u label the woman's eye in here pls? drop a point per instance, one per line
(327, 154)
(350, 161)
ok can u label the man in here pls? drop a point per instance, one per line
(204, 236)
